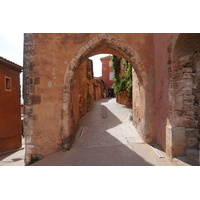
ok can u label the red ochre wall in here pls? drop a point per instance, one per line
(106, 69)
(48, 57)
(161, 86)
(10, 117)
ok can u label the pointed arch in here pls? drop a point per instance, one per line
(183, 54)
(102, 40)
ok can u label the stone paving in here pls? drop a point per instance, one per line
(13, 158)
(106, 138)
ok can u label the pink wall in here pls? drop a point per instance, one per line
(75, 102)
(161, 86)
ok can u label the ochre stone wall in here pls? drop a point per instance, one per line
(98, 89)
(165, 87)
(83, 84)
(138, 105)
(90, 89)
(122, 98)
(183, 64)
(50, 62)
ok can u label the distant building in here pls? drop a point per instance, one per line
(10, 114)
(107, 75)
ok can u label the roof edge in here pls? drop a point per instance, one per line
(3, 60)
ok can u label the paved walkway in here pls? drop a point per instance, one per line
(13, 158)
(107, 138)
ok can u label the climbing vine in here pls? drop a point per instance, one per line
(123, 82)
(116, 67)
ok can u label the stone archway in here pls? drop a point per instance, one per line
(114, 43)
(184, 92)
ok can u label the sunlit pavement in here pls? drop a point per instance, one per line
(13, 158)
(107, 138)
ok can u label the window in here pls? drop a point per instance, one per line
(111, 75)
(7, 84)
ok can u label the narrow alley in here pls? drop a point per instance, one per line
(107, 138)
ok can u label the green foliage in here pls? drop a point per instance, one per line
(33, 160)
(124, 82)
(128, 78)
(116, 67)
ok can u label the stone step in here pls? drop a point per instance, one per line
(193, 154)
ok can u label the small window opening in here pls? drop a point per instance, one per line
(111, 76)
(110, 63)
(8, 84)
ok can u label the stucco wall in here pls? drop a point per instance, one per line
(106, 69)
(47, 57)
(161, 86)
(10, 116)
(138, 105)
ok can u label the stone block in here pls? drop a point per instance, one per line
(169, 141)
(197, 79)
(184, 59)
(193, 154)
(28, 130)
(187, 90)
(91, 43)
(178, 141)
(191, 142)
(28, 139)
(189, 82)
(177, 76)
(187, 70)
(184, 119)
(96, 40)
(188, 97)
(191, 132)
(188, 120)
(29, 148)
(37, 80)
(36, 99)
(187, 75)
(178, 102)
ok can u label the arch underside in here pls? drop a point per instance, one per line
(109, 43)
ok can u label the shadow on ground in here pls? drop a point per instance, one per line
(15, 158)
(101, 141)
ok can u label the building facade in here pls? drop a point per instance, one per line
(10, 114)
(107, 75)
(165, 99)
